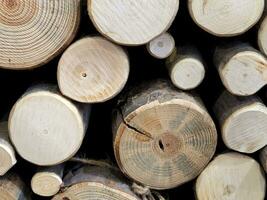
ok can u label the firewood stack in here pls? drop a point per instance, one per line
(133, 100)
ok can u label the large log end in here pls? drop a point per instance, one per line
(93, 70)
(231, 176)
(223, 18)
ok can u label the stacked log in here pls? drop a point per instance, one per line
(224, 18)
(132, 22)
(243, 122)
(7, 153)
(163, 133)
(231, 176)
(163, 137)
(45, 127)
(99, 70)
(95, 183)
(243, 69)
(47, 181)
(34, 32)
(13, 188)
(186, 67)
(162, 46)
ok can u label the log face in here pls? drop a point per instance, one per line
(35, 31)
(47, 183)
(163, 138)
(239, 129)
(162, 46)
(243, 69)
(186, 67)
(129, 22)
(226, 17)
(7, 153)
(46, 128)
(93, 70)
(231, 176)
(243, 122)
(96, 183)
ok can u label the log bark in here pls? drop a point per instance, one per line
(34, 32)
(132, 22)
(223, 18)
(47, 181)
(243, 122)
(262, 39)
(162, 46)
(13, 188)
(263, 158)
(95, 183)
(186, 67)
(163, 137)
(231, 176)
(45, 127)
(7, 153)
(93, 70)
(243, 69)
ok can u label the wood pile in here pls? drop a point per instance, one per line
(133, 99)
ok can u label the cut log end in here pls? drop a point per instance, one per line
(25, 41)
(96, 183)
(166, 142)
(243, 122)
(46, 128)
(231, 176)
(93, 70)
(162, 46)
(221, 18)
(188, 73)
(242, 71)
(262, 39)
(8, 159)
(94, 191)
(249, 123)
(186, 68)
(7, 153)
(46, 183)
(129, 22)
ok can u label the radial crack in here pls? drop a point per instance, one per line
(143, 132)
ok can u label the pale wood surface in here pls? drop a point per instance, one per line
(96, 183)
(162, 46)
(243, 122)
(7, 153)
(262, 38)
(93, 70)
(263, 158)
(243, 69)
(45, 127)
(226, 17)
(132, 22)
(13, 188)
(35, 31)
(231, 176)
(186, 67)
(47, 181)
(162, 137)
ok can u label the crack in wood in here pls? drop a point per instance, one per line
(136, 130)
